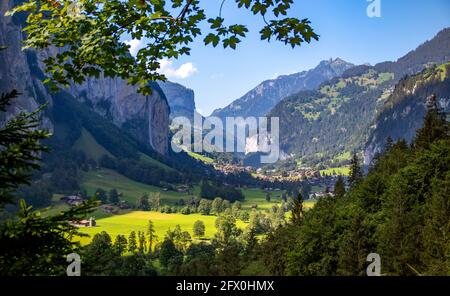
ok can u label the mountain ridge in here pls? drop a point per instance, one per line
(327, 125)
(403, 112)
(261, 99)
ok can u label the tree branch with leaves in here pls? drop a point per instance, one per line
(88, 34)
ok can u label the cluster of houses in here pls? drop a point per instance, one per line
(72, 200)
(233, 169)
(292, 175)
(84, 223)
(319, 194)
(76, 200)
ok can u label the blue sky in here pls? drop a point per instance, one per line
(220, 76)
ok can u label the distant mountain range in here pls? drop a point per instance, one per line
(337, 108)
(260, 100)
(326, 125)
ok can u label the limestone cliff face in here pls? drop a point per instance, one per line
(181, 99)
(145, 117)
(14, 70)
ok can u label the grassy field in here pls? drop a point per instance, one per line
(147, 159)
(138, 220)
(58, 206)
(344, 171)
(200, 157)
(131, 190)
(128, 220)
(258, 197)
(87, 143)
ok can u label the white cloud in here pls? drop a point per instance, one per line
(184, 71)
(135, 45)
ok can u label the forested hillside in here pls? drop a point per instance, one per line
(400, 210)
(260, 100)
(402, 113)
(325, 126)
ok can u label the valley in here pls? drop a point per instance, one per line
(320, 131)
(106, 154)
(126, 220)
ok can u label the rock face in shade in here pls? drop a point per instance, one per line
(180, 98)
(260, 100)
(145, 117)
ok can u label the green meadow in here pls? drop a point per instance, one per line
(131, 190)
(254, 196)
(344, 171)
(129, 220)
(138, 221)
(200, 157)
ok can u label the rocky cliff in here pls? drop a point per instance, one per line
(146, 118)
(180, 98)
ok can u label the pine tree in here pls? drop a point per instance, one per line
(142, 247)
(113, 196)
(297, 209)
(356, 173)
(20, 148)
(249, 238)
(353, 245)
(152, 237)
(101, 195)
(435, 125)
(388, 145)
(132, 244)
(339, 187)
(143, 203)
(437, 228)
(120, 244)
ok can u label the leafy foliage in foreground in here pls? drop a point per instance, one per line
(89, 32)
(30, 244)
(37, 245)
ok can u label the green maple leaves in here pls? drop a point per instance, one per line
(91, 43)
(288, 30)
(231, 34)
